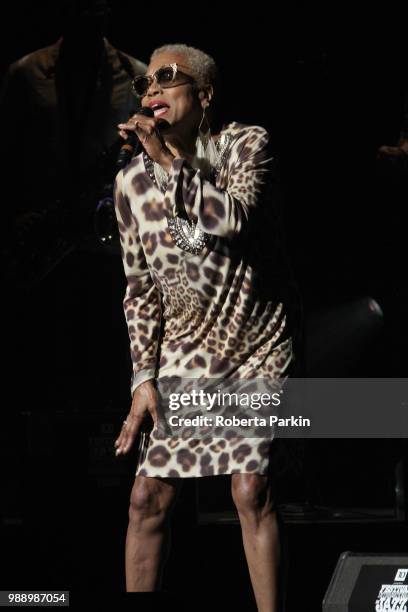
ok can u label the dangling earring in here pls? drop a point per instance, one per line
(204, 134)
(206, 151)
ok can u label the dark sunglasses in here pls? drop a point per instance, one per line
(165, 76)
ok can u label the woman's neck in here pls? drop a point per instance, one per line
(185, 148)
(181, 146)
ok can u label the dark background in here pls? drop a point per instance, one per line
(328, 82)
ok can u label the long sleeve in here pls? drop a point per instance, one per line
(142, 302)
(223, 212)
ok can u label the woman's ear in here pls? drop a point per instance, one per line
(205, 96)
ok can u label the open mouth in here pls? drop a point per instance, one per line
(159, 108)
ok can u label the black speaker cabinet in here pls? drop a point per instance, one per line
(368, 581)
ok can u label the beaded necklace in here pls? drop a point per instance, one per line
(183, 231)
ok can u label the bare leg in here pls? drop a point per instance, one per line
(260, 534)
(148, 534)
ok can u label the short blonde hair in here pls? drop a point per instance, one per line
(202, 65)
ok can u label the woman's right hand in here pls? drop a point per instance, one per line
(149, 135)
(144, 402)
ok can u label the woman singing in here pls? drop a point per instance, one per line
(204, 299)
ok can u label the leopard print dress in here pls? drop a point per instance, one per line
(216, 314)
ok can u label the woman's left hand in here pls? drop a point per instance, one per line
(149, 135)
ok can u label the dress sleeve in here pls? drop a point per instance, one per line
(216, 211)
(142, 301)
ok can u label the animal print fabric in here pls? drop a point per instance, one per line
(215, 315)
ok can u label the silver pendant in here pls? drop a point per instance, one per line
(186, 235)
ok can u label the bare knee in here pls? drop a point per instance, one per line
(252, 496)
(150, 501)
